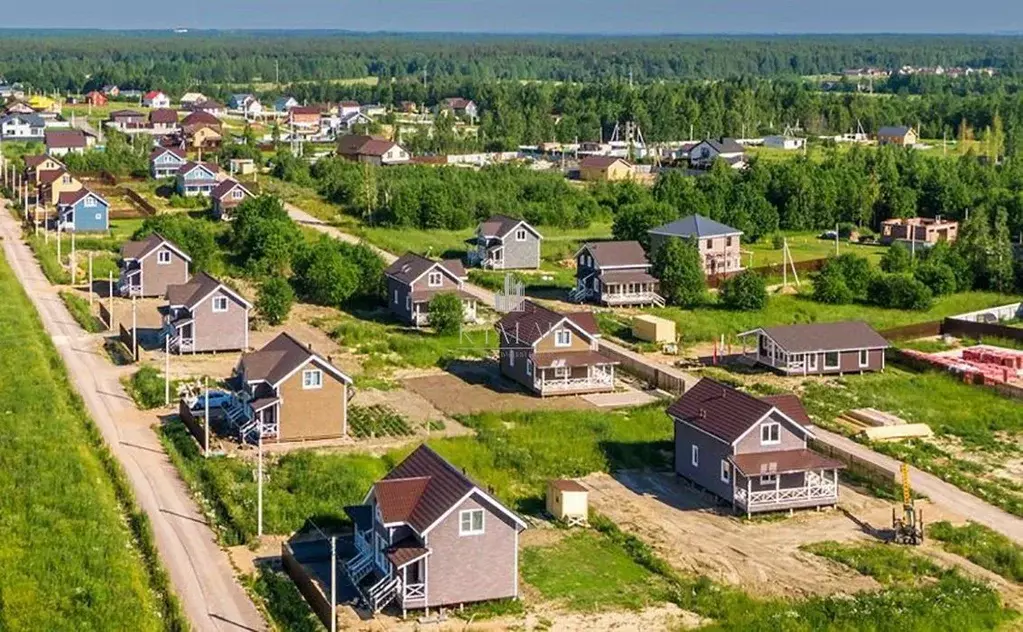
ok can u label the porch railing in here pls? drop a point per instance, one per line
(575, 383)
(819, 491)
(414, 592)
(632, 298)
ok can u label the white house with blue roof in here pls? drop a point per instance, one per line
(22, 127)
(717, 243)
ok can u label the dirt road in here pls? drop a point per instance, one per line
(199, 570)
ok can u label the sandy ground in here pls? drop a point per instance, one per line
(762, 555)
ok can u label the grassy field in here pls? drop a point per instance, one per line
(70, 557)
(982, 546)
(805, 246)
(79, 309)
(886, 564)
(707, 323)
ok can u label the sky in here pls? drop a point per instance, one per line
(538, 16)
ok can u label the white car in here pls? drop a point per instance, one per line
(217, 399)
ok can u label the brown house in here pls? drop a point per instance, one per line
(305, 119)
(34, 165)
(925, 231)
(605, 169)
(163, 120)
(287, 392)
(750, 451)
(205, 315)
(226, 196)
(615, 273)
(150, 266)
(371, 149)
(898, 135)
(413, 281)
(428, 536)
(553, 354)
(96, 99)
(818, 348)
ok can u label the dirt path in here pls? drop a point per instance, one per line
(199, 570)
(761, 556)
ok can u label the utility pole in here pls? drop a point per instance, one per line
(206, 416)
(110, 297)
(58, 243)
(90, 280)
(836, 240)
(259, 485)
(134, 331)
(166, 371)
(333, 583)
(73, 261)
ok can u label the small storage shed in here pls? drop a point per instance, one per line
(653, 328)
(568, 501)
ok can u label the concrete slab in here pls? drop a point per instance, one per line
(620, 399)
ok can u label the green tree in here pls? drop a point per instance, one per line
(632, 221)
(746, 291)
(896, 259)
(899, 291)
(446, 313)
(678, 267)
(275, 299)
(1001, 273)
(264, 236)
(196, 237)
(323, 276)
(829, 287)
(855, 271)
(939, 277)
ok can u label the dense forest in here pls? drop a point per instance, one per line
(77, 60)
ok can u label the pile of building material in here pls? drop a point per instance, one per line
(878, 425)
(979, 364)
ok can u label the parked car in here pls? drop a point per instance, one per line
(218, 399)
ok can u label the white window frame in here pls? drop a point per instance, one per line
(237, 194)
(408, 302)
(216, 301)
(163, 257)
(726, 471)
(430, 279)
(694, 456)
(511, 357)
(312, 379)
(864, 358)
(467, 520)
(765, 431)
(89, 201)
(529, 368)
(395, 297)
(811, 361)
(98, 216)
(838, 360)
(558, 339)
(768, 479)
(520, 234)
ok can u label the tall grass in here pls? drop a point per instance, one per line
(982, 546)
(886, 564)
(146, 387)
(281, 599)
(79, 309)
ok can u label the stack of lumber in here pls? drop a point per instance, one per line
(878, 425)
(875, 417)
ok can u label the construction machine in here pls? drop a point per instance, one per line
(909, 529)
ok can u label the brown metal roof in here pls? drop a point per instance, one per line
(421, 489)
(570, 358)
(406, 551)
(67, 198)
(567, 485)
(163, 115)
(225, 187)
(279, 358)
(202, 285)
(363, 145)
(534, 321)
(587, 321)
(826, 337)
(70, 138)
(199, 117)
(139, 249)
(426, 295)
(35, 161)
(790, 406)
(159, 151)
(498, 225)
(601, 162)
(782, 462)
(398, 498)
(410, 266)
(51, 175)
(617, 253)
(719, 410)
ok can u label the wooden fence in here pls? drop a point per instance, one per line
(130, 343)
(314, 595)
(978, 330)
(635, 364)
(918, 330)
(142, 203)
(773, 270)
(875, 473)
(196, 424)
(104, 315)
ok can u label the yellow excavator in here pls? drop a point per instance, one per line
(909, 529)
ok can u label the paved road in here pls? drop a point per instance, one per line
(940, 492)
(199, 570)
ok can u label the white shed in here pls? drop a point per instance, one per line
(568, 501)
(784, 142)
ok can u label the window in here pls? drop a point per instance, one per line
(90, 201)
(520, 234)
(726, 471)
(710, 244)
(237, 194)
(864, 357)
(696, 456)
(770, 434)
(163, 257)
(396, 297)
(98, 216)
(563, 338)
(219, 303)
(66, 179)
(728, 242)
(830, 359)
(811, 361)
(529, 367)
(312, 378)
(470, 522)
(511, 357)
(436, 279)
(768, 479)
(408, 302)
(562, 371)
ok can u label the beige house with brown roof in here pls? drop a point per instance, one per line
(605, 169)
(205, 315)
(372, 150)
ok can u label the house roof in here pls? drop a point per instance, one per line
(225, 187)
(500, 225)
(51, 175)
(533, 321)
(695, 226)
(191, 164)
(349, 104)
(200, 117)
(306, 110)
(207, 104)
(790, 406)
(423, 488)
(33, 120)
(406, 551)
(144, 247)
(281, 357)
(720, 410)
(69, 198)
(894, 130)
(782, 462)
(626, 276)
(195, 291)
(152, 94)
(363, 145)
(159, 151)
(164, 116)
(411, 266)
(567, 485)
(854, 334)
(616, 253)
(458, 103)
(70, 138)
(34, 161)
(116, 114)
(456, 267)
(601, 162)
(725, 145)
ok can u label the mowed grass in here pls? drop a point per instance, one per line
(67, 559)
(805, 246)
(708, 322)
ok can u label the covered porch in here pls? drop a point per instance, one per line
(572, 372)
(487, 253)
(759, 347)
(783, 480)
(421, 305)
(130, 282)
(382, 573)
(629, 288)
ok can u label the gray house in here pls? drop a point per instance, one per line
(615, 273)
(717, 243)
(427, 536)
(413, 280)
(149, 266)
(817, 348)
(205, 315)
(505, 243)
(750, 451)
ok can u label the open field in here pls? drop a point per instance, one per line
(68, 559)
(805, 246)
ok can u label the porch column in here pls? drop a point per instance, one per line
(749, 495)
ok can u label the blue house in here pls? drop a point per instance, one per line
(164, 162)
(83, 211)
(196, 178)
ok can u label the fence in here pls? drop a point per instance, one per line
(772, 270)
(139, 201)
(873, 472)
(130, 342)
(977, 330)
(104, 315)
(918, 330)
(312, 554)
(196, 424)
(658, 377)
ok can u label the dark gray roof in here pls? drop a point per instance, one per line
(191, 293)
(279, 358)
(894, 130)
(695, 226)
(411, 266)
(826, 337)
(617, 253)
(142, 248)
(534, 321)
(501, 225)
(33, 120)
(725, 145)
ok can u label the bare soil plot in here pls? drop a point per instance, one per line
(762, 555)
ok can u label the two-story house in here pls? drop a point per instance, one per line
(284, 104)
(165, 162)
(413, 281)
(372, 150)
(460, 107)
(163, 121)
(60, 142)
(288, 392)
(228, 194)
(304, 120)
(817, 348)
(615, 273)
(205, 315)
(27, 127)
(553, 354)
(83, 211)
(53, 183)
(246, 104)
(428, 536)
(150, 265)
(718, 244)
(506, 243)
(126, 119)
(703, 154)
(196, 178)
(750, 451)
(155, 99)
(36, 165)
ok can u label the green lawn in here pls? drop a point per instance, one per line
(707, 323)
(68, 553)
(886, 564)
(805, 246)
(982, 546)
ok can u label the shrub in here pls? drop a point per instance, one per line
(323, 276)
(446, 313)
(275, 299)
(677, 265)
(777, 241)
(939, 277)
(896, 259)
(146, 387)
(264, 236)
(855, 271)
(829, 287)
(899, 291)
(746, 291)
